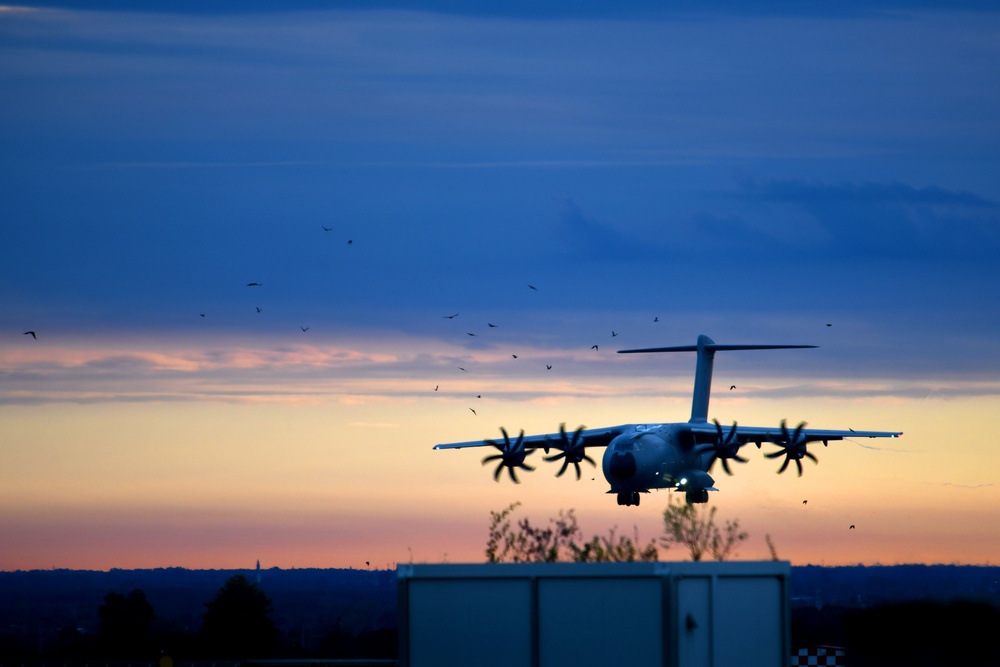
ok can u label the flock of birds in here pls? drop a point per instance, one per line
(492, 325)
(453, 316)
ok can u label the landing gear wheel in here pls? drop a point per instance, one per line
(699, 496)
(628, 498)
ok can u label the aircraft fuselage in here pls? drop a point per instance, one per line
(654, 456)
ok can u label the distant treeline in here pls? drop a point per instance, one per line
(317, 612)
(333, 613)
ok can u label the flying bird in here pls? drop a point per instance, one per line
(449, 317)
(613, 333)
(656, 319)
(514, 355)
(436, 387)
(461, 369)
(479, 395)
(258, 308)
(471, 334)
(254, 285)
(491, 325)
(474, 412)
(532, 287)
(593, 347)
(349, 241)
(548, 367)
(327, 229)
(202, 314)
(804, 502)
(304, 328)
(731, 387)
(852, 527)
(31, 333)
(828, 324)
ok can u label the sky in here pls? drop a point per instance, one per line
(774, 172)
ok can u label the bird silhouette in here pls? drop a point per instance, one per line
(254, 285)
(491, 325)
(594, 347)
(731, 387)
(462, 369)
(852, 527)
(449, 317)
(470, 333)
(327, 229)
(202, 314)
(533, 287)
(548, 367)
(656, 319)
(304, 328)
(350, 241)
(436, 387)
(473, 411)
(31, 333)
(828, 324)
(258, 308)
(804, 502)
(613, 333)
(514, 355)
(479, 395)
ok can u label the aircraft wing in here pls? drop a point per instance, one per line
(595, 437)
(782, 434)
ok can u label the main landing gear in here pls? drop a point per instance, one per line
(699, 496)
(628, 497)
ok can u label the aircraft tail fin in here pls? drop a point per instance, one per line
(706, 349)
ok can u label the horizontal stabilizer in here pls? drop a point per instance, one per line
(714, 347)
(706, 349)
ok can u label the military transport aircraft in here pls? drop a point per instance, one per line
(640, 457)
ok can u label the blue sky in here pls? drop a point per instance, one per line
(753, 173)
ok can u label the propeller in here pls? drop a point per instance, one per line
(511, 455)
(726, 447)
(793, 447)
(571, 450)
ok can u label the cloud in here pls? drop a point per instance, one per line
(584, 236)
(883, 219)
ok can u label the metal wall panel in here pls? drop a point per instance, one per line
(600, 621)
(467, 622)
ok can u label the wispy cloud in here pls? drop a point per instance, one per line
(884, 219)
(312, 373)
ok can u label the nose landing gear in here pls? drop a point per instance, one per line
(628, 497)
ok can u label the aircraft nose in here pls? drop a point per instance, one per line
(622, 465)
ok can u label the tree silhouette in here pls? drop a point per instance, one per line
(558, 541)
(695, 529)
(125, 623)
(238, 621)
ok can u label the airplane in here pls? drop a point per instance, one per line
(678, 456)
